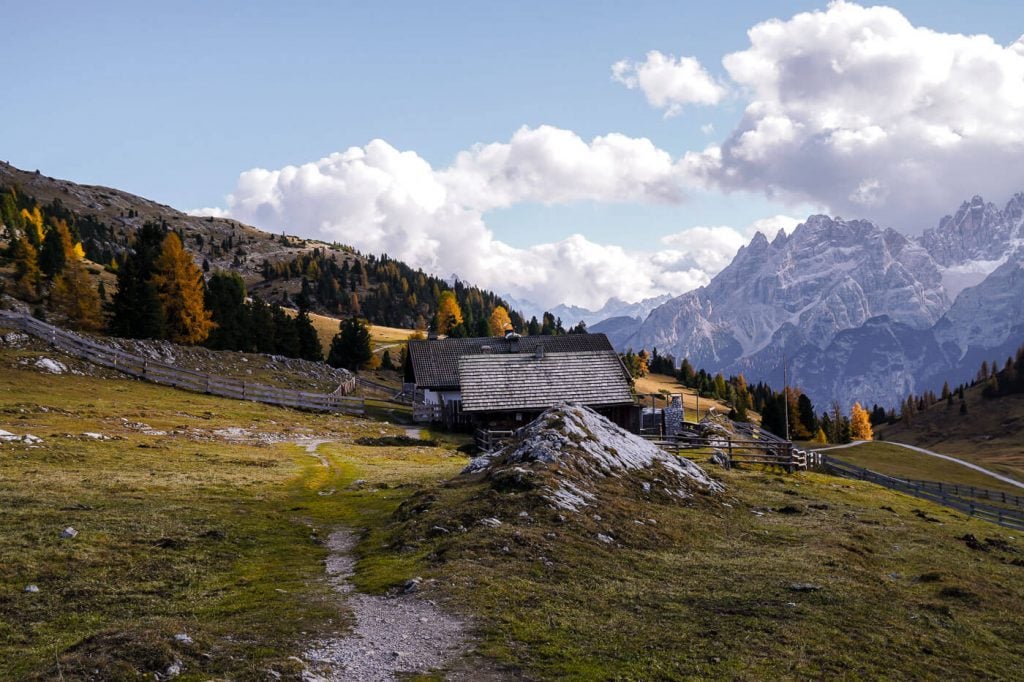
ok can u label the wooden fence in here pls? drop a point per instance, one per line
(489, 440)
(178, 377)
(740, 450)
(1010, 517)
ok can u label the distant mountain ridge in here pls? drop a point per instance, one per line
(857, 311)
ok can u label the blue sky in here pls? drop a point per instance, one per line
(174, 101)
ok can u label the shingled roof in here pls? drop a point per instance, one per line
(435, 362)
(512, 382)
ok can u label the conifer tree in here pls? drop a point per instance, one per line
(499, 323)
(72, 295)
(860, 423)
(449, 314)
(350, 347)
(225, 299)
(309, 340)
(179, 286)
(137, 311)
(26, 269)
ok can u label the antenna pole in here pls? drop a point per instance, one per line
(785, 392)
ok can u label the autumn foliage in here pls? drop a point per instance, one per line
(179, 286)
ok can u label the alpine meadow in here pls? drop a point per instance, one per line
(478, 342)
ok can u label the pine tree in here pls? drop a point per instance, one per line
(350, 347)
(225, 299)
(137, 311)
(179, 285)
(860, 423)
(309, 340)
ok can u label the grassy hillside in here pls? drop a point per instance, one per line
(202, 516)
(656, 383)
(894, 460)
(990, 434)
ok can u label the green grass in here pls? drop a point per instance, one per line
(893, 460)
(182, 532)
(705, 592)
(186, 532)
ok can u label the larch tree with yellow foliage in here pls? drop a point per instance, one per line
(33, 222)
(499, 321)
(74, 297)
(860, 423)
(26, 269)
(179, 286)
(449, 314)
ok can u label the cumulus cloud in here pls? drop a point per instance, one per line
(856, 108)
(380, 199)
(551, 165)
(668, 82)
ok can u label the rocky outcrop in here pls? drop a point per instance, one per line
(568, 452)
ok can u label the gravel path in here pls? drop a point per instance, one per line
(392, 635)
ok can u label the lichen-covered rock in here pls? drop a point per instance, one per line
(569, 450)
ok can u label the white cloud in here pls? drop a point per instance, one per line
(668, 82)
(380, 199)
(551, 165)
(857, 109)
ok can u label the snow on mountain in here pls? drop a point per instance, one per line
(859, 312)
(573, 314)
(972, 243)
(829, 275)
(614, 307)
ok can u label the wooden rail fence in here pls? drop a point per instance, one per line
(1010, 517)
(178, 377)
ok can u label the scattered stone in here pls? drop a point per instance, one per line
(32, 589)
(435, 531)
(68, 533)
(326, 493)
(524, 514)
(596, 517)
(411, 586)
(95, 436)
(606, 539)
(490, 522)
(804, 587)
(183, 638)
(646, 486)
(791, 604)
(52, 366)
(173, 670)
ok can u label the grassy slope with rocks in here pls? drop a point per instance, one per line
(201, 516)
(779, 576)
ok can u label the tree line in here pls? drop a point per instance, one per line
(805, 422)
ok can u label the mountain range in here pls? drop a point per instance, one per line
(854, 311)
